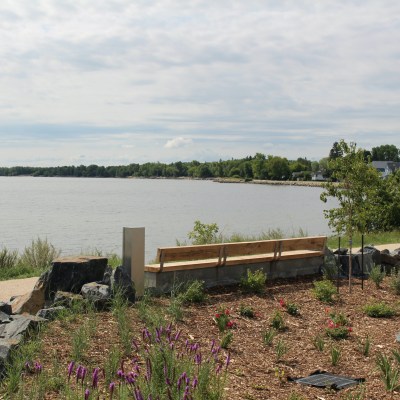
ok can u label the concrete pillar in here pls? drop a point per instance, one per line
(133, 256)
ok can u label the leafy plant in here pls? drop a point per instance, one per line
(204, 233)
(280, 349)
(194, 293)
(365, 346)
(338, 327)
(39, 255)
(336, 355)
(246, 311)
(379, 310)
(319, 342)
(8, 259)
(395, 281)
(223, 320)
(376, 275)
(226, 339)
(292, 309)
(295, 396)
(268, 336)
(389, 373)
(254, 282)
(277, 321)
(324, 291)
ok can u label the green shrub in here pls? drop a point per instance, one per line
(8, 259)
(318, 342)
(226, 339)
(338, 332)
(268, 336)
(254, 282)
(39, 255)
(204, 233)
(336, 355)
(277, 321)
(247, 312)
(194, 293)
(389, 373)
(376, 275)
(379, 310)
(395, 281)
(292, 309)
(324, 291)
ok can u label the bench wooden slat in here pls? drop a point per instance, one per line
(226, 254)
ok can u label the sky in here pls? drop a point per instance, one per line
(113, 82)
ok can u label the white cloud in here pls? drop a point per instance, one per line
(177, 142)
(231, 77)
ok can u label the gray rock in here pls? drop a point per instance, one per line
(98, 293)
(5, 308)
(5, 350)
(107, 276)
(120, 280)
(66, 299)
(4, 318)
(69, 274)
(50, 313)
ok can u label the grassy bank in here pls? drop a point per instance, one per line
(376, 239)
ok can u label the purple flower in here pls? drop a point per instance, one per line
(138, 394)
(38, 367)
(195, 382)
(178, 334)
(95, 378)
(120, 373)
(27, 366)
(78, 372)
(228, 360)
(70, 369)
(87, 394)
(135, 345)
(83, 373)
(148, 369)
(111, 388)
(197, 359)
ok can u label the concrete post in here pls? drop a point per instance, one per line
(133, 256)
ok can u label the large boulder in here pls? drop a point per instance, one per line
(69, 274)
(66, 299)
(50, 313)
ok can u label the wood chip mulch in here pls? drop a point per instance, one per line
(255, 372)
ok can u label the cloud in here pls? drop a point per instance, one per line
(177, 142)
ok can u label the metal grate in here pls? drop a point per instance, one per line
(325, 379)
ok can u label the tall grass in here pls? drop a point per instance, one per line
(376, 238)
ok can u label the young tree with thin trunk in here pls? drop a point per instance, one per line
(356, 191)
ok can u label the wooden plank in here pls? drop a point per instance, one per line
(190, 253)
(249, 248)
(181, 266)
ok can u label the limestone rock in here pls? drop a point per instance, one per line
(30, 302)
(98, 293)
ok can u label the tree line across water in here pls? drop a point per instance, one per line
(258, 166)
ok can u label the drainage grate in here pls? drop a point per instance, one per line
(324, 379)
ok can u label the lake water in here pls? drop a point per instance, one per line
(80, 214)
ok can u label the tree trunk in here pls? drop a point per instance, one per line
(350, 261)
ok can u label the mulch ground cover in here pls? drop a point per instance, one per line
(255, 372)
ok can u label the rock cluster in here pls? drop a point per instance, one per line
(68, 280)
(372, 256)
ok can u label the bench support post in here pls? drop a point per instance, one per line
(133, 256)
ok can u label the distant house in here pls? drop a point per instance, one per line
(317, 176)
(386, 167)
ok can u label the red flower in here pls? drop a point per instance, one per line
(217, 315)
(230, 324)
(350, 329)
(282, 302)
(227, 312)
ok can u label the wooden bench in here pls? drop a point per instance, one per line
(238, 253)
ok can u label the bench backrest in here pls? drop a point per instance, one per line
(221, 251)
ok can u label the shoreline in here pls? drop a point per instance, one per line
(269, 182)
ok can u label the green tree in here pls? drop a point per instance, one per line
(356, 192)
(278, 168)
(386, 152)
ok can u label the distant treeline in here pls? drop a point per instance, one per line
(259, 166)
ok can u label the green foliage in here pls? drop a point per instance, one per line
(336, 355)
(204, 233)
(280, 349)
(357, 394)
(246, 311)
(338, 333)
(226, 339)
(268, 336)
(379, 310)
(318, 342)
(8, 258)
(296, 396)
(395, 282)
(389, 372)
(292, 309)
(277, 321)
(253, 282)
(377, 275)
(365, 346)
(324, 291)
(194, 293)
(39, 255)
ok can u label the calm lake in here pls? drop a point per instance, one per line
(78, 215)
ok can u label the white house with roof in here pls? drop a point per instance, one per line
(386, 167)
